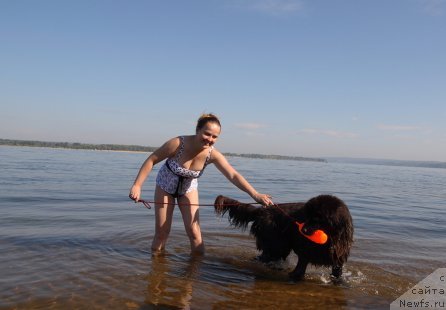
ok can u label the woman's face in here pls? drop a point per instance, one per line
(208, 135)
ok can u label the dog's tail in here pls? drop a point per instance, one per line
(240, 214)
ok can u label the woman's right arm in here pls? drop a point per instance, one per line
(238, 180)
(163, 152)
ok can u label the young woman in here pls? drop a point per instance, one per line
(187, 157)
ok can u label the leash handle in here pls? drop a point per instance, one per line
(144, 202)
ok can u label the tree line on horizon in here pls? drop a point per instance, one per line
(134, 148)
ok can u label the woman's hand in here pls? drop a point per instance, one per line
(263, 199)
(135, 193)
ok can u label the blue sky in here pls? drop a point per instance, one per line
(291, 77)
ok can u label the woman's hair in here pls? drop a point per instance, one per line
(207, 118)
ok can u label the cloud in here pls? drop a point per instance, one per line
(397, 127)
(330, 133)
(273, 7)
(250, 126)
(434, 7)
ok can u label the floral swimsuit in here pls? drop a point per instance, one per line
(177, 180)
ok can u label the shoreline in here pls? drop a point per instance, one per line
(135, 149)
(147, 149)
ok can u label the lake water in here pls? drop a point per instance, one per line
(70, 237)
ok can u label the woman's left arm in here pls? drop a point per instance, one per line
(237, 179)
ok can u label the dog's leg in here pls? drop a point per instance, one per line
(299, 272)
(264, 258)
(336, 271)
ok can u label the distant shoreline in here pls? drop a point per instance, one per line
(388, 162)
(135, 149)
(146, 149)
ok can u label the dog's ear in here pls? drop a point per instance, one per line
(342, 235)
(335, 214)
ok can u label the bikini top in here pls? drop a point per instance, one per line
(174, 165)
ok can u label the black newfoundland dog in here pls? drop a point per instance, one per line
(326, 218)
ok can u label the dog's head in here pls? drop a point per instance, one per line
(330, 214)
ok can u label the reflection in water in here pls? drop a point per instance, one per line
(179, 282)
(170, 281)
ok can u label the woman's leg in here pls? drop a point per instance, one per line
(164, 205)
(190, 211)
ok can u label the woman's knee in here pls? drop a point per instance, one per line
(194, 232)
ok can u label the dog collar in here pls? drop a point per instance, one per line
(319, 236)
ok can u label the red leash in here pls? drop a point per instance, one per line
(147, 203)
(318, 236)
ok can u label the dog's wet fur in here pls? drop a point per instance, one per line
(276, 232)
